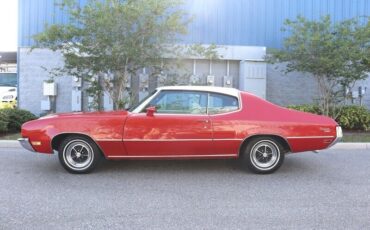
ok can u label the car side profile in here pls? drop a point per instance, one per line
(183, 122)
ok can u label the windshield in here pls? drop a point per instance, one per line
(132, 108)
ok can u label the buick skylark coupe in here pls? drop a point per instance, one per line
(183, 122)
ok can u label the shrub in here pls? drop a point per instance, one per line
(354, 118)
(306, 108)
(11, 120)
(350, 117)
(3, 125)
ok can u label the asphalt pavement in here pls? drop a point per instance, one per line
(329, 190)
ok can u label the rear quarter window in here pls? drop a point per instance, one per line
(220, 103)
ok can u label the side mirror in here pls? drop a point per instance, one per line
(151, 110)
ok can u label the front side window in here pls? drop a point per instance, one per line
(136, 106)
(180, 102)
(219, 103)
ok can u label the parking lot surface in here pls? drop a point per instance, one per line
(329, 190)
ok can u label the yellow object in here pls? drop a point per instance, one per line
(8, 105)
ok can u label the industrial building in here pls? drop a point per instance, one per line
(8, 79)
(243, 29)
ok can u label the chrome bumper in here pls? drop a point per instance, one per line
(338, 137)
(26, 144)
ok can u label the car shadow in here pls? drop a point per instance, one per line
(169, 166)
(292, 164)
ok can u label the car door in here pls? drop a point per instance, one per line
(224, 112)
(180, 127)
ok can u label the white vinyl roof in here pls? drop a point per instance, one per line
(228, 91)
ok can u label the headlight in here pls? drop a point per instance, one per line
(8, 97)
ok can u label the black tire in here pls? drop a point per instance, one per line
(262, 155)
(78, 154)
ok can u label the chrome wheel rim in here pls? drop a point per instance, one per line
(265, 155)
(78, 155)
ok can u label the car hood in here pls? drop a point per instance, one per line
(86, 114)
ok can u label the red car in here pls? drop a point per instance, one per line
(183, 122)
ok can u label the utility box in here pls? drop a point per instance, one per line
(76, 82)
(76, 100)
(128, 83)
(195, 80)
(228, 81)
(143, 82)
(50, 88)
(252, 77)
(211, 80)
(107, 102)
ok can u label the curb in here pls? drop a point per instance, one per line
(351, 145)
(10, 144)
(347, 145)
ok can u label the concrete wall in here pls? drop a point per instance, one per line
(182, 74)
(299, 88)
(282, 89)
(31, 78)
(289, 89)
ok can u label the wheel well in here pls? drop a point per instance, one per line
(57, 140)
(280, 139)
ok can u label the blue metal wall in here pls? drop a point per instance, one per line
(223, 22)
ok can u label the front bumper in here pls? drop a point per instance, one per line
(26, 144)
(338, 137)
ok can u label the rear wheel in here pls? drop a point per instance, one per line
(263, 155)
(78, 154)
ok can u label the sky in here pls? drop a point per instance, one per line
(8, 25)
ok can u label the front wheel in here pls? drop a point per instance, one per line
(78, 154)
(263, 155)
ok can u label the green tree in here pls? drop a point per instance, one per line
(336, 54)
(114, 39)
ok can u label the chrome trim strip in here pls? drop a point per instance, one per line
(164, 140)
(112, 140)
(310, 137)
(265, 134)
(222, 139)
(25, 143)
(339, 136)
(173, 156)
(159, 89)
(227, 139)
(177, 114)
(71, 133)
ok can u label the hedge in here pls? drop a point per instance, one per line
(11, 120)
(350, 117)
